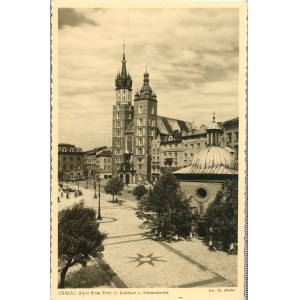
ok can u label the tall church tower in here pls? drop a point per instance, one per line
(145, 127)
(123, 113)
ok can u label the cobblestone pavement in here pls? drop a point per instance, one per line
(142, 262)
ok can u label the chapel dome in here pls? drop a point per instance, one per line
(213, 156)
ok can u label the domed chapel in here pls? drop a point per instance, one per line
(209, 169)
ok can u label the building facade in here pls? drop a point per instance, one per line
(70, 160)
(91, 161)
(104, 163)
(231, 135)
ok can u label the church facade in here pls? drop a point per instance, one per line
(135, 125)
(144, 144)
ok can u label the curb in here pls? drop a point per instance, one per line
(118, 282)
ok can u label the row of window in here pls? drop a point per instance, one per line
(118, 106)
(142, 109)
(186, 147)
(118, 117)
(71, 158)
(142, 131)
(71, 167)
(123, 96)
(142, 122)
(155, 150)
(186, 156)
(230, 137)
(138, 151)
(139, 110)
(70, 149)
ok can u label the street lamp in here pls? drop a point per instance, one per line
(99, 212)
(78, 178)
(95, 196)
(67, 188)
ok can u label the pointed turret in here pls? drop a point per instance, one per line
(123, 80)
(146, 89)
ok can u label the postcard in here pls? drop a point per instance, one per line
(148, 159)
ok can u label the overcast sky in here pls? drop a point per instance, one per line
(191, 54)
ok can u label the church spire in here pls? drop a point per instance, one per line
(124, 72)
(123, 80)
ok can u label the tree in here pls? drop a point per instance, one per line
(222, 214)
(66, 177)
(61, 175)
(139, 191)
(166, 207)
(78, 237)
(114, 186)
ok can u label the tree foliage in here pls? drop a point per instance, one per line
(61, 175)
(222, 214)
(139, 191)
(114, 186)
(66, 177)
(166, 208)
(78, 237)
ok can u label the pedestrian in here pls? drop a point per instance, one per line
(211, 233)
(211, 246)
(231, 249)
(62, 194)
(211, 238)
(58, 199)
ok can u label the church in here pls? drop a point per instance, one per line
(135, 125)
(145, 144)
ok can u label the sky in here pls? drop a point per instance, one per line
(191, 56)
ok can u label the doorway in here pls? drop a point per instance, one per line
(127, 178)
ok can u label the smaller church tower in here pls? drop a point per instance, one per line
(122, 115)
(145, 127)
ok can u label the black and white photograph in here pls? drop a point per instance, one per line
(148, 150)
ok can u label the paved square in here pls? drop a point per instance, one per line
(143, 263)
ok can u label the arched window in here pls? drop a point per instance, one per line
(140, 122)
(118, 115)
(152, 109)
